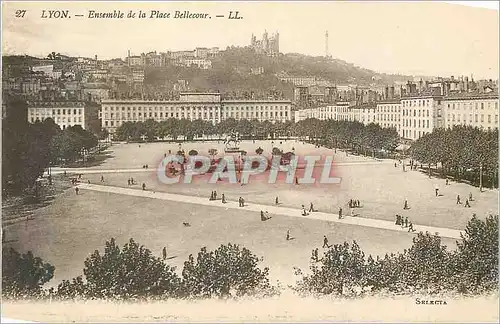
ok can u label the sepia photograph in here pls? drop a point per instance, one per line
(250, 161)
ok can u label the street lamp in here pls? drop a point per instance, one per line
(84, 153)
(481, 177)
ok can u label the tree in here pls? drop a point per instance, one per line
(130, 273)
(23, 275)
(340, 271)
(228, 271)
(476, 259)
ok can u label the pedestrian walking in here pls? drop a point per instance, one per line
(437, 191)
(398, 220)
(467, 203)
(406, 222)
(311, 208)
(304, 212)
(340, 212)
(447, 182)
(458, 200)
(164, 252)
(358, 204)
(277, 201)
(470, 196)
(410, 228)
(406, 204)
(296, 180)
(325, 242)
(223, 199)
(88, 181)
(77, 190)
(128, 182)
(288, 235)
(215, 195)
(102, 178)
(143, 186)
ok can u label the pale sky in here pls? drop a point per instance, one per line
(420, 38)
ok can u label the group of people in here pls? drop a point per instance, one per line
(145, 166)
(213, 196)
(467, 201)
(130, 181)
(304, 211)
(404, 223)
(241, 202)
(354, 204)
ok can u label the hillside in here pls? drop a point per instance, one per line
(231, 72)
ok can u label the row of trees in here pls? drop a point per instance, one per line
(28, 149)
(464, 152)
(174, 128)
(343, 134)
(426, 267)
(133, 272)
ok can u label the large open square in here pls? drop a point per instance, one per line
(73, 226)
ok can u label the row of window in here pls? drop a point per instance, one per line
(76, 111)
(421, 124)
(388, 109)
(58, 120)
(452, 119)
(469, 104)
(421, 113)
(197, 116)
(416, 103)
(162, 108)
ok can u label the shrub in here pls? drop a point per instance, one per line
(226, 272)
(130, 273)
(23, 275)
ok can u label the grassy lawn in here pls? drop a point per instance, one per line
(67, 231)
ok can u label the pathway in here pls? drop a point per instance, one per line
(273, 210)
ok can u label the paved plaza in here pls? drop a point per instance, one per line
(73, 226)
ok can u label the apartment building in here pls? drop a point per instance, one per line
(192, 106)
(478, 110)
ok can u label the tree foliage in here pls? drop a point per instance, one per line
(226, 272)
(23, 275)
(426, 267)
(462, 151)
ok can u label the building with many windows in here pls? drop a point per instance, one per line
(192, 106)
(64, 113)
(478, 110)
(420, 115)
(389, 115)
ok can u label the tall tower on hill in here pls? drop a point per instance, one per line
(327, 53)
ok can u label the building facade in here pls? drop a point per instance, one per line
(389, 115)
(478, 110)
(192, 106)
(64, 113)
(420, 115)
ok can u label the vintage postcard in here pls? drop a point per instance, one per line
(249, 161)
